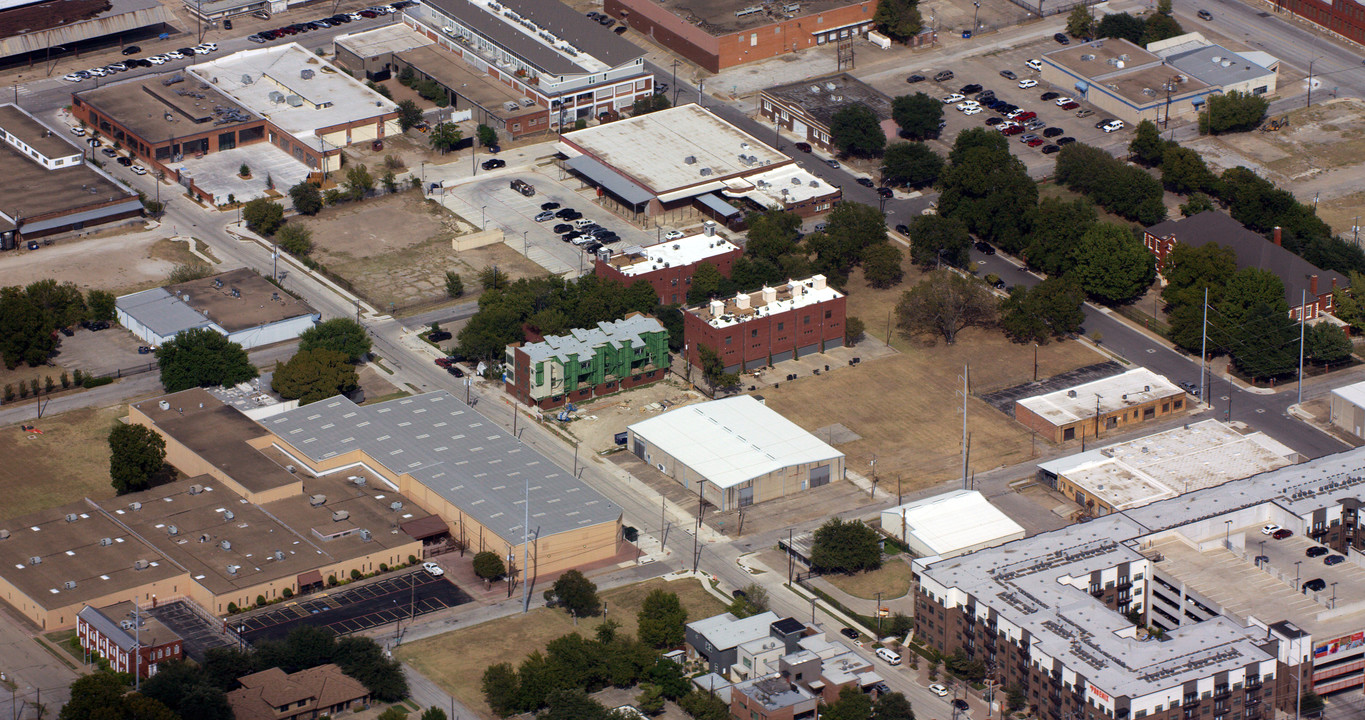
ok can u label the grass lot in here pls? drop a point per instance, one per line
(67, 462)
(456, 660)
(906, 406)
(1050, 189)
(892, 581)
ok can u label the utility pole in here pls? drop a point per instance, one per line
(1310, 82)
(1203, 347)
(526, 546)
(1303, 313)
(137, 647)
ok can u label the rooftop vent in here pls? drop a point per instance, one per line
(126, 624)
(690, 160)
(831, 86)
(225, 545)
(278, 555)
(395, 506)
(246, 79)
(35, 560)
(1087, 57)
(340, 515)
(1071, 393)
(232, 569)
(196, 489)
(164, 405)
(4, 534)
(705, 171)
(358, 480)
(365, 535)
(172, 530)
(317, 500)
(69, 584)
(141, 565)
(72, 517)
(135, 506)
(228, 515)
(306, 74)
(815, 89)
(106, 542)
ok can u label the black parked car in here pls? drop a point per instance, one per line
(849, 633)
(552, 205)
(454, 370)
(903, 229)
(132, 50)
(1049, 149)
(1062, 39)
(438, 335)
(493, 164)
(1066, 140)
(1316, 551)
(984, 247)
(1315, 585)
(1053, 132)
(1049, 96)
(884, 192)
(993, 121)
(969, 89)
(915, 79)
(564, 213)
(592, 247)
(866, 182)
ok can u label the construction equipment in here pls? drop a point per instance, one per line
(1275, 124)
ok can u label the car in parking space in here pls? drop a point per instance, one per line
(960, 705)
(1065, 140)
(849, 633)
(1049, 149)
(1035, 142)
(1269, 529)
(493, 164)
(1103, 122)
(993, 120)
(803, 147)
(175, 55)
(97, 72)
(970, 88)
(903, 229)
(552, 205)
(953, 98)
(1071, 106)
(158, 60)
(866, 182)
(131, 50)
(985, 96)
(1314, 585)
(1034, 64)
(968, 104)
(1112, 126)
(138, 170)
(1035, 124)
(567, 214)
(915, 79)
(117, 67)
(1333, 560)
(1082, 113)
(187, 51)
(109, 152)
(1011, 129)
(1316, 551)
(592, 247)
(832, 163)
(1049, 96)
(125, 161)
(1022, 115)
(1204, 15)
(78, 131)
(72, 77)
(943, 76)
(433, 568)
(257, 38)
(938, 690)
(1007, 108)
(1026, 137)
(973, 110)
(1053, 132)
(94, 142)
(561, 228)
(1008, 75)
(1027, 83)
(1063, 101)
(1061, 39)
(1282, 533)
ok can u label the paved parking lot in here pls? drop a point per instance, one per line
(102, 352)
(349, 610)
(491, 201)
(197, 632)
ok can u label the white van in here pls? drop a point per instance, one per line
(581, 223)
(890, 657)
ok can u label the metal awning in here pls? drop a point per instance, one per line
(715, 204)
(609, 179)
(423, 528)
(312, 577)
(1082, 85)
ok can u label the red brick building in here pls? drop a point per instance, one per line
(120, 635)
(1345, 18)
(1301, 278)
(753, 330)
(741, 32)
(668, 266)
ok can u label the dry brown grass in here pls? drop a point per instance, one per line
(906, 407)
(456, 660)
(892, 581)
(68, 461)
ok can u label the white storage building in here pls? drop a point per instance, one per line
(240, 304)
(951, 524)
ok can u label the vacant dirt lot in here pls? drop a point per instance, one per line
(67, 461)
(601, 419)
(396, 249)
(122, 263)
(456, 660)
(906, 407)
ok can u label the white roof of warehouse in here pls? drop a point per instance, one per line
(732, 440)
(1354, 394)
(1115, 393)
(956, 520)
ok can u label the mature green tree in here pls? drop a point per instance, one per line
(651, 103)
(343, 335)
(444, 137)
(202, 358)
(898, 19)
(772, 234)
(184, 688)
(1348, 308)
(539, 679)
(936, 240)
(1195, 204)
(943, 304)
(988, 189)
(1147, 146)
(1243, 291)
(96, 697)
(671, 677)
(845, 547)
(701, 706)
(1269, 346)
(1052, 309)
(706, 283)
(1080, 23)
(1189, 270)
(25, 336)
(306, 197)
(892, 706)
(313, 375)
(1123, 189)
(454, 284)
(488, 565)
(1233, 111)
(1111, 265)
(1160, 26)
(502, 689)
(295, 239)
(912, 164)
(434, 713)
(102, 304)
(61, 305)
(1183, 171)
(409, 114)
(223, 665)
(650, 700)
(853, 330)
(577, 594)
(850, 229)
(1056, 232)
(136, 455)
(359, 181)
(662, 619)
(917, 115)
(857, 131)
(574, 704)
(1327, 343)
(263, 216)
(1121, 25)
(750, 600)
(882, 265)
(853, 704)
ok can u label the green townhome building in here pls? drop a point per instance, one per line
(588, 362)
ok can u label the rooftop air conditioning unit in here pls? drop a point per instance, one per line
(225, 545)
(72, 517)
(317, 500)
(35, 560)
(279, 555)
(1071, 393)
(164, 405)
(340, 515)
(690, 160)
(232, 569)
(294, 101)
(306, 74)
(172, 530)
(106, 542)
(246, 79)
(365, 535)
(228, 515)
(815, 89)
(126, 624)
(706, 171)
(196, 489)
(69, 584)
(4, 534)
(135, 506)
(141, 565)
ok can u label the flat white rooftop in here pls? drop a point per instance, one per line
(733, 440)
(784, 184)
(767, 301)
(675, 148)
(1354, 394)
(271, 80)
(1203, 454)
(672, 253)
(939, 522)
(1114, 393)
(393, 38)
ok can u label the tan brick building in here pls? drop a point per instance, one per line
(1098, 407)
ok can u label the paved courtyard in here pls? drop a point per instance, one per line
(217, 172)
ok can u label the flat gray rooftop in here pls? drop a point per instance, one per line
(583, 342)
(823, 96)
(1217, 65)
(597, 46)
(457, 453)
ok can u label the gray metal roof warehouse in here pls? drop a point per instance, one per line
(457, 453)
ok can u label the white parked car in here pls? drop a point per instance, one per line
(1063, 100)
(175, 55)
(1026, 84)
(969, 104)
(157, 59)
(73, 77)
(674, 235)
(1034, 64)
(138, 170)
(433, 568)
(1269, 529)
(98, 72)
(355, 16)
(1113, 126)
(974, 110)
(954, 98)
(938, 690)
(78, 131)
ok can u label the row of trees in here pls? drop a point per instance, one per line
(854, 704)
(325, 364)
(1160, 25)
(1127, 191)
(30, 317)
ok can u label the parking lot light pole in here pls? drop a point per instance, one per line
(1296, 573)
(483, 218)
(975, 14)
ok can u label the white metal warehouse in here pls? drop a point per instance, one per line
(736, 451)
(951, 524)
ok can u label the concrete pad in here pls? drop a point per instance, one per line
(217, 172)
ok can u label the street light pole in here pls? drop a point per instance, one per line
(975, 14)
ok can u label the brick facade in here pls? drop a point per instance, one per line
(670, 283)
(1346, 19)
(121, 660)
(763, 340)
(1091, 427)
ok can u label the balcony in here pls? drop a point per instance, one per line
(1221, 691)
(1191, 700)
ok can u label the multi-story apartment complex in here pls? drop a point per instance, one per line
(668, 266)
(1241, 616)
(753, 330)
(587, 362)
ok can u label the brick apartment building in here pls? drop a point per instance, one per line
(669, 265)
(753, 330)
(132, 641)
(1301, 278)
(585, 363)
(1346, 18)
(734, 33)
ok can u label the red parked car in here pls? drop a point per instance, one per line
(1071, 106)
(1012, 129)
(1035, 142)
(1025, 116)
(445, 362)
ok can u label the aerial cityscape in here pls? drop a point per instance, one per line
(712, 360)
